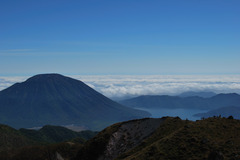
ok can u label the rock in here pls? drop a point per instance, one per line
(215, 155)
(204, 140)
(58, 156)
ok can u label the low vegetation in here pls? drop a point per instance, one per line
(48, 143)
(210, 138)
(167, 138)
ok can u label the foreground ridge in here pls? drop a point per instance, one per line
(166, 138)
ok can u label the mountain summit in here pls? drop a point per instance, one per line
(58, 100)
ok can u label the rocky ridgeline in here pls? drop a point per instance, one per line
(166, 138)
(128, 136)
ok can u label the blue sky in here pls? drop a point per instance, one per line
(119, 37)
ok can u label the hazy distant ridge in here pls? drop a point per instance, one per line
(223, 112)
(173, 102)
(199, 94)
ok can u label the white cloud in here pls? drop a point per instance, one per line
(8, 81)
(118, 86)
(122, 85)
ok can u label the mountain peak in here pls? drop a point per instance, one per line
(47, 76)
(58, 100)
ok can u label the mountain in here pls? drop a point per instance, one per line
(59, 151)
(199, 94)
(55, 134)
(148, 138)
(12, 138)
(58, 100)
(165, 138)
(184, 94)
(117, 99)
(224, 112)
(173, 102)
(47, 143)
(118, 139)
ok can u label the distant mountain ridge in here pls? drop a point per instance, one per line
(58, 100)
(173, 102)
(199, 94)
(223, 112)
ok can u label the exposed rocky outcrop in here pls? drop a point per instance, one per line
(129, 135)
(118, 139)
(214, 138)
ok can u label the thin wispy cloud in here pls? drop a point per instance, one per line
(32, 52)
(17, 50)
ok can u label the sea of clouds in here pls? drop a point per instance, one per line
(117, 86)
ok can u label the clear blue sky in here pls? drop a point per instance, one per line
(119, 37)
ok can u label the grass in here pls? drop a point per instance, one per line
(178, 139)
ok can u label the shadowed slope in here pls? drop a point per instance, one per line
(58, 100)
(47, 143)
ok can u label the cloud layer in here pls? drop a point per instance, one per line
(122, 85)
(119, 86)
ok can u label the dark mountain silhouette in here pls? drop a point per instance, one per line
(165, 138)
(199, 94)
(224, 112)
(47, 143)
(173, 102)
(117, 99)
(58, 100)
(12, 138)
(55, 134)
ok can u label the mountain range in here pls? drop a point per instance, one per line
(58, 100)
(54, 99)
(199, 94)
(176, 102)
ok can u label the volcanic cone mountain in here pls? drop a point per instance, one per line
(58, 100)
